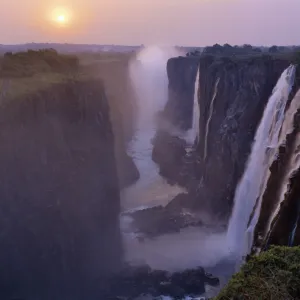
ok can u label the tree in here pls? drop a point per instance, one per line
(273, 49)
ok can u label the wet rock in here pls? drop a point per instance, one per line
(169, 152)
(133, 282)
(182, 73)
(128, 172)
(160, 220)
(178, 202)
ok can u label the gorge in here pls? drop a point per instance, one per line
(241, 100)
(143, 175)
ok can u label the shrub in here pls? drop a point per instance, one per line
(274, 274)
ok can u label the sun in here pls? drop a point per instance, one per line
(61, 16)
(61, 19)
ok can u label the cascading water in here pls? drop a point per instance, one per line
(198, 246)
(247, 196)
(292, 165)
(211, 110)
(193, 133)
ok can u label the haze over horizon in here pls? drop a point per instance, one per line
(135, 22)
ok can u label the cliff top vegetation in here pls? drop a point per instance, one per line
(24, 73)
(244, 50)
(34, 75)
(274, 274)
(30, 63)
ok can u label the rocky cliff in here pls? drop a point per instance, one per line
(59, 191)
(113, 69)
(182, 73)
(232, 94)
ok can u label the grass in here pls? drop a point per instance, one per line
(274, 274)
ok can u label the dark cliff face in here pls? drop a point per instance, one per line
(121, 97)
(232, 97)
(168, 150)
(122, 102)
(59, 193)
(182, 73)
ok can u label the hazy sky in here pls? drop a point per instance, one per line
(131, 22)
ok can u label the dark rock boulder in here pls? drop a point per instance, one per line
(59, 193)
(132, 282)
(168, 152)
(159, 220)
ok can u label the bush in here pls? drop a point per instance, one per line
(274, 274)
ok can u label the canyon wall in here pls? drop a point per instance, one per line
(182, 73)
(59, 191)
(232, 98)
(232, 94)
(113, 69)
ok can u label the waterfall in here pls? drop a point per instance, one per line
(292, 165)
(193, 133)
(193, 246)
(211, 110)
(247, 195)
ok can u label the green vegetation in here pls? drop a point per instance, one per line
(30, 63)
(274, 274)
(26, 73)
(228, 53)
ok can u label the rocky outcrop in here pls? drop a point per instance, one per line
(232, 96)
(159, 220)
(232, 99)
(182, 73)
(132, 282)
(59, 193)
(114, 72)
(169, 152)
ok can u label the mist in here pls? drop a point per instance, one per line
(200, 246)
(148, 75)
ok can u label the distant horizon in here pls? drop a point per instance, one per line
(188, 23)
(139, 45)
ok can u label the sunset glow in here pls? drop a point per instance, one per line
(61, 19)
(135, 22)
(61, 16)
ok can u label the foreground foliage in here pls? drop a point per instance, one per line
(274, 274)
